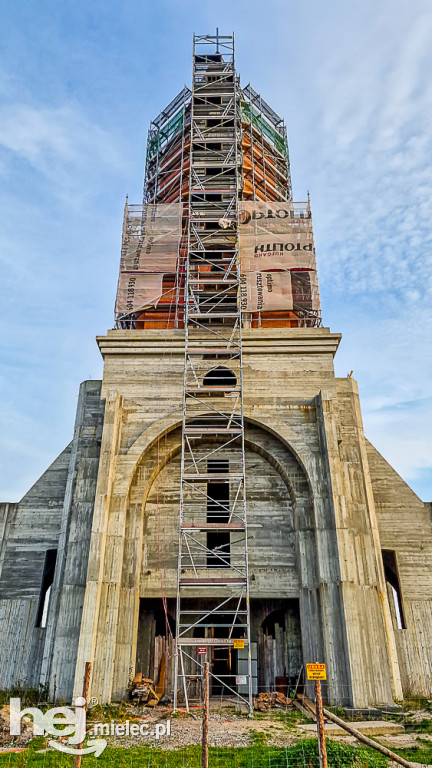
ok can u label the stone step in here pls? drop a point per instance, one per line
(367, 727)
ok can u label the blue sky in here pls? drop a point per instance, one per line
(79, 84)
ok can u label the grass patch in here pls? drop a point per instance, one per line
(300, 755)
(412, 701)
(338, 711)
(287, 716)
(259, 738)
(30, 697)
(419, 754)
(106, 712)
(418, 726)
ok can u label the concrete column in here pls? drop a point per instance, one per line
(99, 617)
(64, 619)
(363, 600)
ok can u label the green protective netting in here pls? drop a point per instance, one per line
(249, 115)
(169, 130)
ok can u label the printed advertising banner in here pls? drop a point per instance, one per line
(287, 251)
(277, 236)
(138, 291)
(151, 238)
(160, 219)
(258, 217)
(267, 291)
(151, 256)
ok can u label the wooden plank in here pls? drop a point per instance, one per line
(160, 688)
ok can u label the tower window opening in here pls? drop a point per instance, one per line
(218, 512)
(392, 578)
(45, 591)
(220, 377)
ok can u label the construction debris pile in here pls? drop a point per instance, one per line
(266, 701)
(142, 689)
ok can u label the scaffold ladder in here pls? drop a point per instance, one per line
(213, 611)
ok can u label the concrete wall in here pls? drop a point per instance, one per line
(31, 527)
(322, 504)
(405, 527)
(55, 514)
(64, 619)
(307, 426)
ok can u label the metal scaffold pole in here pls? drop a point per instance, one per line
(213, 607)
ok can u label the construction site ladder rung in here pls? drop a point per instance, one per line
(209, 390)
(213, 527)
(218, 315)
(212, 431)
(212, 351)
(191, 641)
(204, 476)
(197, 581)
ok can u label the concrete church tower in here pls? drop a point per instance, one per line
(296, 541)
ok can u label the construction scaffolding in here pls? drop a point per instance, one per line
(150, 266)
(212, 555)
(168, 152)
(217, 246)
(263, 174)
(266, 170)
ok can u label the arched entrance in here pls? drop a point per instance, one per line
(281, 537)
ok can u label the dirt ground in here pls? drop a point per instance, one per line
(17, 741)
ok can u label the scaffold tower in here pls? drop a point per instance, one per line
(213, 613)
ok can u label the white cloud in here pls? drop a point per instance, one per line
(60, 143)
(369, 166)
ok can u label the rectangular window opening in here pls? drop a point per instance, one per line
(218, 512)
(392, 578)
(45, 592)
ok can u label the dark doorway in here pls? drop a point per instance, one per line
(280, 653)
(156, 638)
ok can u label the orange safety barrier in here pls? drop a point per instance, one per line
(158, 320)
(276, 320)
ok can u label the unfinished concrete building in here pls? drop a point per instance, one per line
(219, 499)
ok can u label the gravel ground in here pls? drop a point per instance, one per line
(226, 729)
(223, 732)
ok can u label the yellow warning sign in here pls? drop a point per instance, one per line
(316, 672)
(238, 643)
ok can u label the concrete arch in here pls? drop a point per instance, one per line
(160, 428)
(147, 469)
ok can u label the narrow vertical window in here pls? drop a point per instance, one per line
(45, 592)
(218, 512)
(392, 578)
